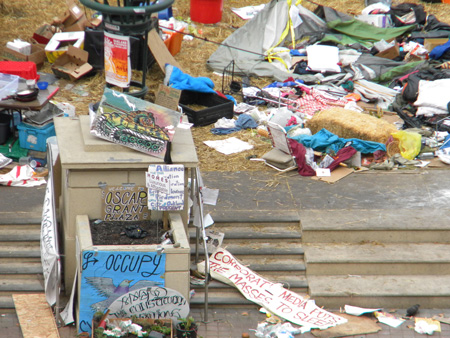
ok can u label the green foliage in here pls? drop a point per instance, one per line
(187, 323)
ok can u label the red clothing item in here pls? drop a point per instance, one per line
(299, 151)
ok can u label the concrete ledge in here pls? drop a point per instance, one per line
(380, 291)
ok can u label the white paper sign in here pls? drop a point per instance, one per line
(272, 296)
(172, 180)
(153, 302)
(49, 245)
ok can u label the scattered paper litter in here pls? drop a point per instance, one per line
(4, 161)
(426, 326)
(229, 146)
(248, 12)
(388, 319)
(358, 311)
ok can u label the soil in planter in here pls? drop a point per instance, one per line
(114, 233)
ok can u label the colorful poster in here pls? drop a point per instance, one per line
(124, 203)
(108, 275)
(165, 185)
(135, 123)
(117, 60)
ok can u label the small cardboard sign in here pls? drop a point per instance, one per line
(168, 97)
(124, 203)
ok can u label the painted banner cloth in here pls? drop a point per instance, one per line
(272, 296)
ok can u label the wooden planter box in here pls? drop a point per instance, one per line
(177, 258)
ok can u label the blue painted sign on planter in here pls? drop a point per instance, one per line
(107, 275)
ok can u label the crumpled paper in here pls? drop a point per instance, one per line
(426, 326)
(21, 176)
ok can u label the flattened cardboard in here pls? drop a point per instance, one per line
(72, 64)
(337, 174)
(355, 326)
(160, 51)
(37, 54)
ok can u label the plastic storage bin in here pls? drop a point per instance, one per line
(218, 107)
(35, 138)
(206, 11)
(8, 84)
(25, 69)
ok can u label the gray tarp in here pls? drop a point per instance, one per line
(259, 34)
(264, 31)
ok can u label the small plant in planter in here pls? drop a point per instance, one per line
(186, 328)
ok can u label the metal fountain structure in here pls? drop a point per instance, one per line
(130, 18)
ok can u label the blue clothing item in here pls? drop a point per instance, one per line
(446, 143)
(438, 51)
(224, 131)
(324, 140)
(295, 52)
(231, 98)
(243, 122)
(182, 81)
(285, 84)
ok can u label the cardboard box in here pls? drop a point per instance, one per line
(43, 34)
(37, 55)
(72, 64)
(377, 20)
(173, 41)
(60, 42)
(72, 14)
(80, 25)
(390, 53)
(431, 43)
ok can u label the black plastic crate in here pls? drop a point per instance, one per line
(218, 107)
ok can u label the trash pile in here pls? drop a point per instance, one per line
(361, 321)
(371, 85)
(373, 77)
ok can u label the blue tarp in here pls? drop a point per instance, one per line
(324, 139)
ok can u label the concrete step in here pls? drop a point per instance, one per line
(377, 258)
(222, 295)
(16, 233)
(6, 302)
(291, 282)
(25, 268)
(376, 225)
(29, 250)
(255, 232)
(431, 292)
(273, 265)
(21, 285)
(248, 249)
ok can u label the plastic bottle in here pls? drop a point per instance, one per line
(28, 161)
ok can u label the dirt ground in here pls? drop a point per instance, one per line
(125, 233)
(19, 21)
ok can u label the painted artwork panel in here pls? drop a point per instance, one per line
(108, 275)
(135, 123)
